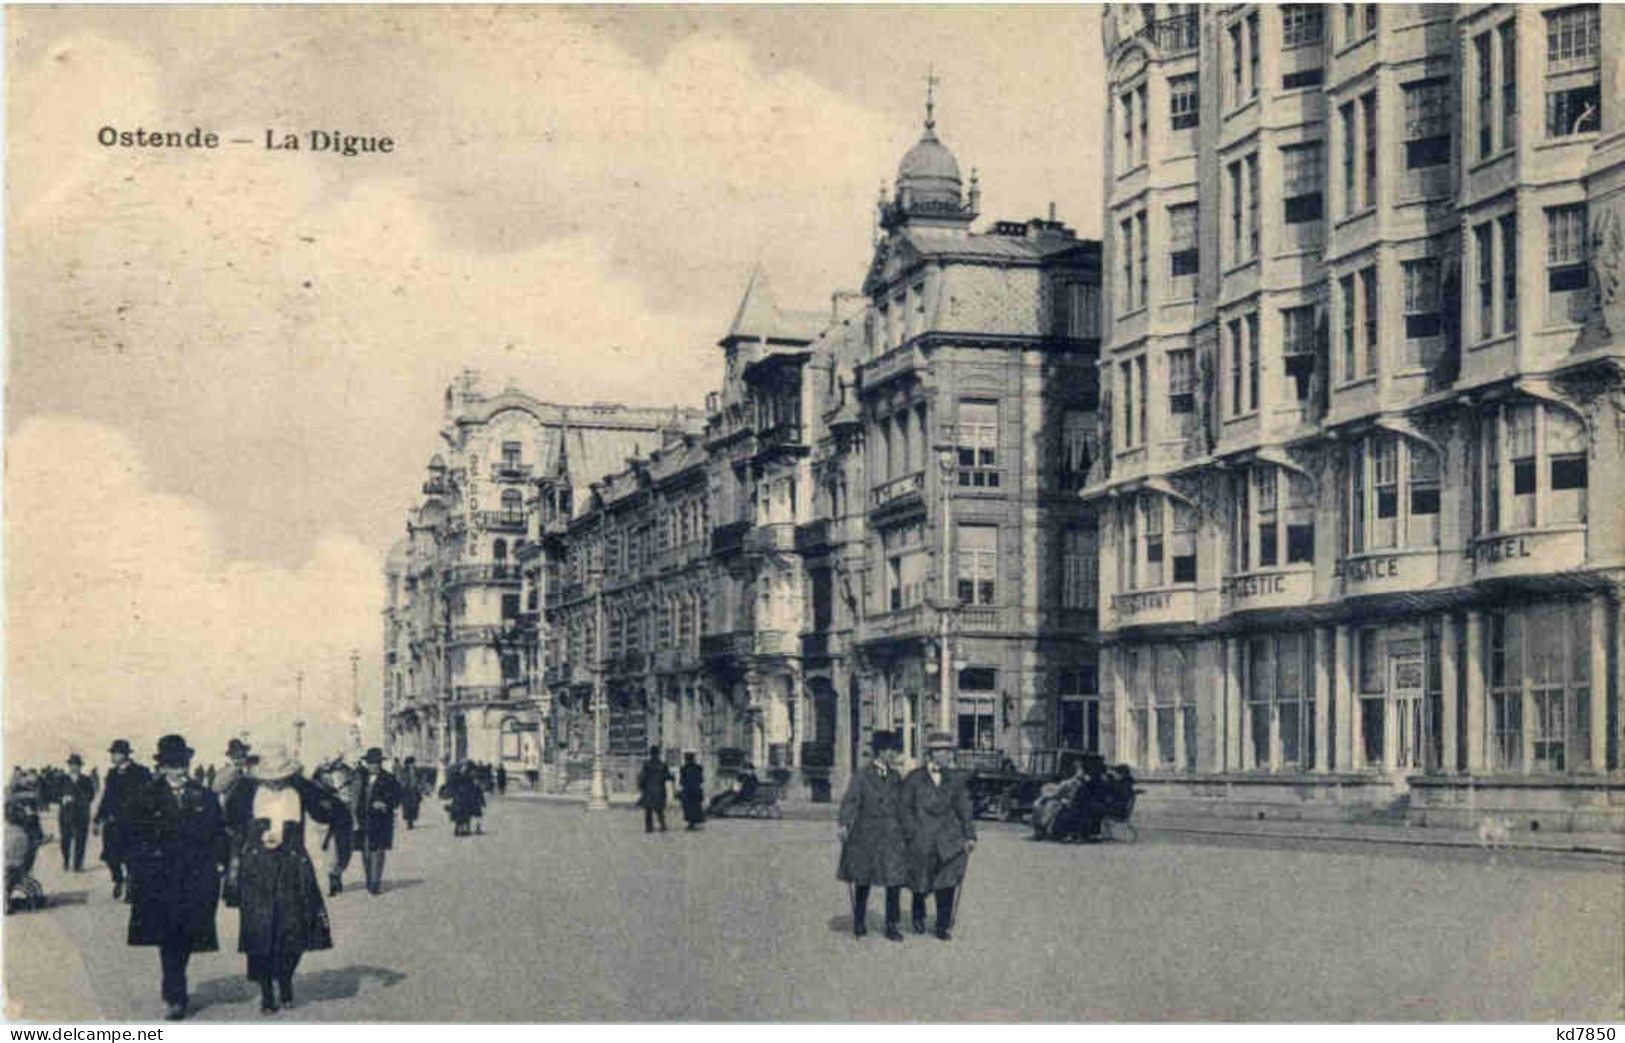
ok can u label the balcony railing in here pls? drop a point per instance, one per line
(898, 489)
(503, 521)
(812, 536)
(511, 472)
(908, 622)
(476, 634)
(477, 693)
(774, 537)
(483, 572)
(781, 435)
(725, 539)
(735, 643)
(1175, 35)
(776, 643)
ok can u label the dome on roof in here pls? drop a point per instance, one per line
(929, 171)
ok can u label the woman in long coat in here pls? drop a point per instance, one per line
(691, 788)
(871, 832)
(282, 913)
(176, 848)
(940, 828)
(411, 780)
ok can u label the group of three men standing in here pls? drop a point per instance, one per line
(915, 832)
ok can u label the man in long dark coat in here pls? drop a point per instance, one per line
(124, 779)
(691, 790)
(653, 779)
(940, 828)
(377, 795)
(76, 795)
(871, 832)
(176, 848)
(411, 781)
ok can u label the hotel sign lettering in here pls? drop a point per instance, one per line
(1131, 604)
(1279, 589)
(1361, 570)
(1490, 552)
(1394, 571)
(1526, 552)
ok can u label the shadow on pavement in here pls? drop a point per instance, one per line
(66, 898)
(397, 885)
(841, 924)
(339, 984)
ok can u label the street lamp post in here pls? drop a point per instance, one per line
(598, 798)
(947, 602)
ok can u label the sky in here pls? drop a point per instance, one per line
(225, 367)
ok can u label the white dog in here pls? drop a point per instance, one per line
(1494, 834)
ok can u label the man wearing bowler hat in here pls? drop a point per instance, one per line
(377, 795)
(871, 833)
(940, 831)
(73, 813)
(177, 847)
(124, 779)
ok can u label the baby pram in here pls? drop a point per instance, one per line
(24, 837)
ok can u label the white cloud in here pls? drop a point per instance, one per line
(126, 619)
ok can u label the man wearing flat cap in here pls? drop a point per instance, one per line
(124, 779)
(871, 833)
(377, 795)
(940, 831)
(78, 792)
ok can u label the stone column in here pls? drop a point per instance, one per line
(1600, 618)
(1343, 697)
(1474, 710)
(1232, 704)
(1448, 684)
(1322, 682)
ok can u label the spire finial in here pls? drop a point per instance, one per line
(931, 81)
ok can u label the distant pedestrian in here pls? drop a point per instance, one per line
(502, 780)
(124, 779)
(338, 779)
(691, 788)
(873, 851)
(653, 779)
(282, 915)
(73, 814)
(236, 767)
(175, 843)
(940, 828)
(464, 799)
(377, 794)
(411, 792)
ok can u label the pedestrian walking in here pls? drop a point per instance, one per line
(653, 779)
(175, 845)
(124, 779)
(940, 829)
(281, 912)
(411, 792)
(871, 832)
(76, 795)
(502, 781)
(235, 768)
(377, 794)
(338, 843)
(464, 799)
(691, 788)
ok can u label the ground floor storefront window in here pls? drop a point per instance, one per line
(1278, 680)
(1538, 669)
(1077, 714)
(1400, 697)
(1159, 693)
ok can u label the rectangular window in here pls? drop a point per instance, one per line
(1079, 446)
(978, 553)
(1236, 95)
(1423, 518)
(1368, 113)
(1183, 257)
(1266, 508)
(1370, 12)
(1235, 213)
(1241, 532)
(1302, 78)
(1521, 456)
(1509, 272)
(1145, 394)
(1145, 122)
(1127, 105)
(1237, 367)
(1422, 318)
(1298, 349)
(1368, 296)
(1427, 123)
(1182, 382)
(1078, 557)
(1509, 84)
(1568, 276)
(1573, 110)
(1301, 182)
(978, 438)
(1345, 115)
(1301, 24)
(1345, 288)
(1125, 239)
(1184, 100)
(1300, 520)
(1183, 540)
(1566, 453)
(1573, 37)
(1385, 489)
(1486, 88)
(1151, 512)
(1126, 371)
(1144, 272)
(1252, 55)
(1252, 361)
(1252, 205)
(1484, 255)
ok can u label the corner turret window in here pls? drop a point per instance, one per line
(1376, 514)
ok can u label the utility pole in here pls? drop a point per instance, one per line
(598, 799)
(299, 718)
(355, 700)
(947, 603)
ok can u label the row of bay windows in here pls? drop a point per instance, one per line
(907, 575)
(1572, 81)
(1529, 471)
(1537, 715)
(677, 621)
(899, 447)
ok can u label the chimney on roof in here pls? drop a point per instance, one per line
(1052, 210)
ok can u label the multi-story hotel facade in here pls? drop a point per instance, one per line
(1360, 386)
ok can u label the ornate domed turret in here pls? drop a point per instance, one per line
(928, 184)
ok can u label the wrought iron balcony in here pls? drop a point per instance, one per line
(897, 489)
(503, 521)
(1176, 35)
(477, 693)
(726, 539)
(507, 471)
(483, 572)
(775, 537)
